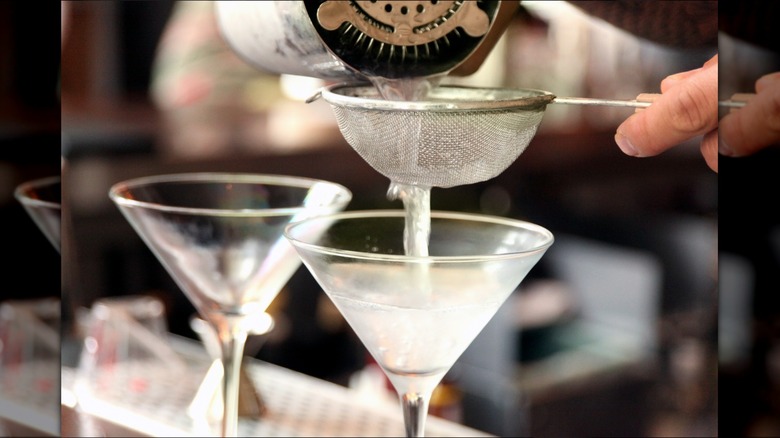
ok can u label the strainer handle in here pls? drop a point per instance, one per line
(644, 100)
(637, 103)
(737, 101)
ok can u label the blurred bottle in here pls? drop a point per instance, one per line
(447, 401)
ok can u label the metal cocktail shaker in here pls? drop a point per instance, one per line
(278, 37)
(353, 40)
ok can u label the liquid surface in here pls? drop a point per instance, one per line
(414, 334)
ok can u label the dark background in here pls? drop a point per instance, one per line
(749, 398)
(29, 141)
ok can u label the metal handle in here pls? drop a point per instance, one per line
(644, 100)
(602, 102)
(737, 101)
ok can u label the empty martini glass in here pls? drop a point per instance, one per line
(41, 199)
(416, 315)
(219, 235)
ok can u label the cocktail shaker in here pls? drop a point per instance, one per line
(278, 37)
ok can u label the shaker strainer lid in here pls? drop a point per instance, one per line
(395, 39)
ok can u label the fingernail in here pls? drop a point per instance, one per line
(723, 148)
(625, 145)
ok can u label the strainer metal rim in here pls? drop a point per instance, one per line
(527, 99)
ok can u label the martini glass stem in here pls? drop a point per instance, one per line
(232, 354)
(415, 408)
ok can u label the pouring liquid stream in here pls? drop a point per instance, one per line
(417, 204)
(416, 198)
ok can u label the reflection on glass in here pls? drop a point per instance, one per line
(41, 199)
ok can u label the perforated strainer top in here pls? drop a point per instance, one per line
(402, 39)
(457, 136)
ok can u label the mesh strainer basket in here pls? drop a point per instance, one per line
(458, 135)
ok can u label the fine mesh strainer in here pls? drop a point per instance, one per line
(458, 135)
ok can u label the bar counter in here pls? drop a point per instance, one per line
(152, 399)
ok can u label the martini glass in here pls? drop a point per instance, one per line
(416, 315)
(30, 328)
(219, 235)
(41, 199)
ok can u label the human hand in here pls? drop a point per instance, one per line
(756, 125)
(687, 108)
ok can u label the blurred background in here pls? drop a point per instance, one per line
(614, 333)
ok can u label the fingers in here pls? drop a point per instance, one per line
(687, 108)
(768, 81)
(757, 124)
(712, 61)
(709, 149)
(675, 79)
